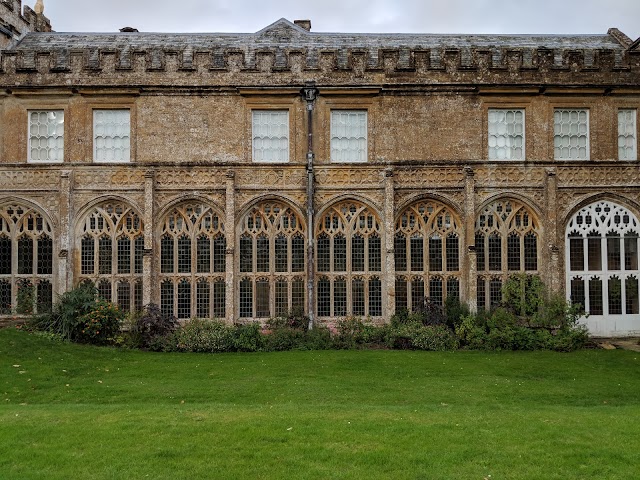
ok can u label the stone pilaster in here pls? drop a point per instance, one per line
(469, 264)
(549, 250)
(149, 294)
(389, 281)
(65, 263)
(230, 235)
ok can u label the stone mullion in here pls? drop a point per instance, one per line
(65, 274)
(149, 257)
(388, 274)
(469, 243)
(552, 266)
(230, 234)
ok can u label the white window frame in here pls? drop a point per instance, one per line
(509, 137)
(588, 134)
(30, 136)
(95, 135)
(364, 152)
(256, 135)
(634, 135)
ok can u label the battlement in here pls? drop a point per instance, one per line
(15, 21)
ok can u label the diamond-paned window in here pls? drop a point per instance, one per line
(270, 135)
(571, 134)
(348, 136)
(46, 136)
(506, 134)
(627, 134)
(111, 135)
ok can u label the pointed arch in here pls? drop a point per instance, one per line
(507, 241)
(192, 260)
(271, 259)
(602, 240)
(427, 241)
(26, 258)
(349, 259)
(110, 246)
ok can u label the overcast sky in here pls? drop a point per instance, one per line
(398, 16)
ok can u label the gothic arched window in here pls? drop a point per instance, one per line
(193, 262)
(111, 249)
(427, 254)
(26, 261)
(272, 261)
(506, 238)
(602, 266)
(349, 261)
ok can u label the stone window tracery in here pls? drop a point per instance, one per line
(427, 254)
(26, 261)
(506, 241)
(111, 249)
(272, 261)
(192, 262)
(348, 248)
(602, 261)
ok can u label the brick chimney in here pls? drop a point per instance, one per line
(306, 24)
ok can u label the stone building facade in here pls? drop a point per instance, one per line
(241, 176)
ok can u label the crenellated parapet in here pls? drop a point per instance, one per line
(285, 52)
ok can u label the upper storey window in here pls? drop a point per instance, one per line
(270, 135)
(348, 135)
(111, 135)
(506, 134)
(627, 134)
(571, 134)
(46, 136)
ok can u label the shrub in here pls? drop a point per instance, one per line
(318, 338)
(64, 318)
(523, 294)
(294, 319)
(151, 328)
(422, 337)
(101, 324)
(205, 336)
(455, 311)
(248, 337)
(281, 339)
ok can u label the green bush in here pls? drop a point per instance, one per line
(281, 339)
(65, 316)
(100, 325)
(523, 294)
(417, 336)
(205, 336)
(248, 337)
(455, 311)
(294, 319)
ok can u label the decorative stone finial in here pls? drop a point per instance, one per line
(39, 7)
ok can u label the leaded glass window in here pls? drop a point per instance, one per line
(571, 134)
(111, 235)
(427, 250)
(272, 256)
(111, 135)
(602, 274)
(26, 260)
(349, 253)
(46, 136)
(627, 134)
(348, 135)
(270, 135)
(190, 232)
(506, 241)
(506, 134)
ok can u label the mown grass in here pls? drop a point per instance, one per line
(72, 411)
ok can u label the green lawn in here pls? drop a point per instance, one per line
(76, 412)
